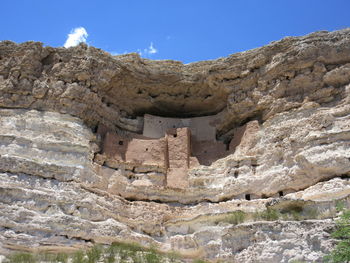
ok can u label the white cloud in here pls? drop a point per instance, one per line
(150, 50)
(76, 36)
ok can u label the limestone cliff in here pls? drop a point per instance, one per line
(283, 111)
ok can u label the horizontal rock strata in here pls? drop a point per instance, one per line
(284, 115)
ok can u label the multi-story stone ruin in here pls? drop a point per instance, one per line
(169, 146)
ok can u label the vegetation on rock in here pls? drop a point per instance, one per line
(115, 253)
(292, 212)
(236, 217)
(341, 252)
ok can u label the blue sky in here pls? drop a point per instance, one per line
(182, 30)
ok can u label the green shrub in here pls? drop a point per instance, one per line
(78, 257)
(311, 213)
(115, 253)
(110, 256)
(341, 253)
(269, 214)
(94, 254)
(33, 258)
(173, 256)
(127, 246)
(293, 207)
(53, 257)
(152, 256)
(133, 252)
(296, 215)
(21, 258)
(339, 205)
(199, 261)
(235, 217)
(292, 212)
(62, 257)
(127, 251)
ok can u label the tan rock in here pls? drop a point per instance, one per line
(280, 116)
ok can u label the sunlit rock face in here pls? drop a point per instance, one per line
(77, 167)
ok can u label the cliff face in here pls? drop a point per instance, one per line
(284, 109)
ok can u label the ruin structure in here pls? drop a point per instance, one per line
(167, 145)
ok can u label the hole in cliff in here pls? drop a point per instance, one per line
(146, 149)
(247, 197)
(120, 142)
(47, 60)
(254, 168)
(60, 60)
(174, 126)
(264, 196)
(236, 174)
(94, 129)
(175, 135)
(160, 121)
(205, 151)
(280, 193)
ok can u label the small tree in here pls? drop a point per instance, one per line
(341, 253)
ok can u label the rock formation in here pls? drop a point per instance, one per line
(277, 121)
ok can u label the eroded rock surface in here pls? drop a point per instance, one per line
(284, 115)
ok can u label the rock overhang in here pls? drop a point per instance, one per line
(289, 101)
(246, 85)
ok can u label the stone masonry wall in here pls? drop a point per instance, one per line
(179, 150)
(202, 128)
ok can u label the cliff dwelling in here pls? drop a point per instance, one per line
(170, 146)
